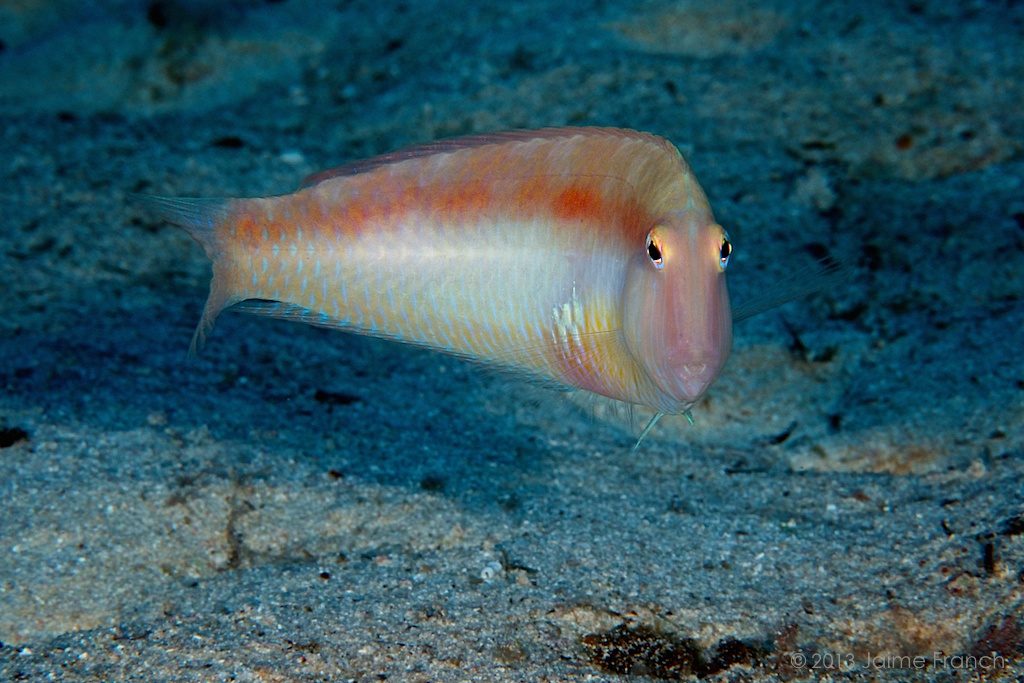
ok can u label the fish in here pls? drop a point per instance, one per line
(581, 256)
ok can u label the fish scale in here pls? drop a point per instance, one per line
(584, 256)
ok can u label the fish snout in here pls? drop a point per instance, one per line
(693, 377)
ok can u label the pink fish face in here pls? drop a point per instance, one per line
(676, 316)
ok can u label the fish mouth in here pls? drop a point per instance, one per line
(693, 379)
(684, 382)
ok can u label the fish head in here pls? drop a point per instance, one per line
(677, 321)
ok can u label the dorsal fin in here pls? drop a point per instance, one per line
(466, 142)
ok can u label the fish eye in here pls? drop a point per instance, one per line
(654, 251)
(725, 252)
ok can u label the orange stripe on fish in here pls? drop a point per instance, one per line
(577, 203)
(587, 256)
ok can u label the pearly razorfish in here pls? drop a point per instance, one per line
(587, 256)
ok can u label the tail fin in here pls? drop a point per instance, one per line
(201, 219)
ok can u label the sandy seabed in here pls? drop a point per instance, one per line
(303, 505)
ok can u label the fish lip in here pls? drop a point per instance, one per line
(695, 379)
(688, 380)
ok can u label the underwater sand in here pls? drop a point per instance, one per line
(303, 505)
